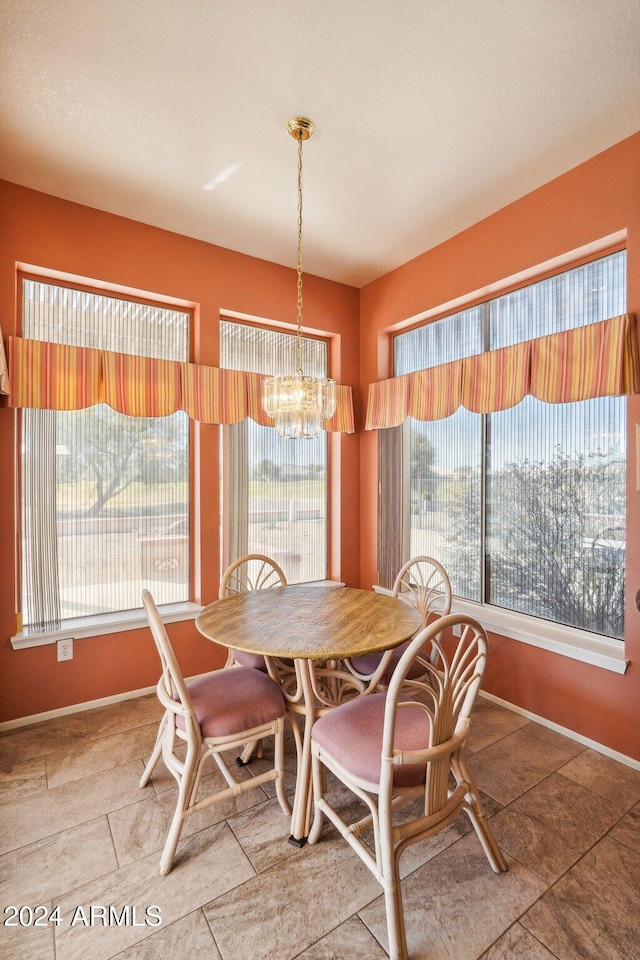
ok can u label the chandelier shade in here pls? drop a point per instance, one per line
(297, 403)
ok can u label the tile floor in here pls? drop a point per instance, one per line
(76, 831)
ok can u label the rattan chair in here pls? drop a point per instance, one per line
(405, 745)
(422, 582)
(223, 710)
(254, 571)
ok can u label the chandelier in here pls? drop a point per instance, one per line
(297, 403)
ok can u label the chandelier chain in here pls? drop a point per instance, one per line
(299, 261)
(297, 404)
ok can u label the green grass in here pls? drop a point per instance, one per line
(287, 489)
(70, 495)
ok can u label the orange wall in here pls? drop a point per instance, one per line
(590, 202)
(596, 199)
(46, 232)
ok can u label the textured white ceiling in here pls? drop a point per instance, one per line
(429, 114)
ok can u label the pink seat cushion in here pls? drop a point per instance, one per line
(368, 664)
(230, 701)
(257, 661)
(254, 660)
(352, 734)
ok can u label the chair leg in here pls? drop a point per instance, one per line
(155, 756)
(392, 892)
(319, 778)
(476, 814)
(188, 781)
(278, 763)
(246, 756)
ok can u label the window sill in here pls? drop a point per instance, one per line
(106, 624)
(119, 622)
(567, 641)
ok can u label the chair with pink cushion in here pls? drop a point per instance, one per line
(407, 746)
(223, 710)
(251, 572)
(254, 571)
(423, 583)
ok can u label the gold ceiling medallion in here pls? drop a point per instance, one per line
(297, 403)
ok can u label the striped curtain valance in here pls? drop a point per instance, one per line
(141, 386)
(51, 376)
(388, 402)
(212, 395)
(597, 360)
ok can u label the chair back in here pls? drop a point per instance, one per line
(423, 582)
(453, 667)
(251, 572)
(172, 690)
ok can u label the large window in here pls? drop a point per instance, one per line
(525, 507)
(274, 490)
(104, 496)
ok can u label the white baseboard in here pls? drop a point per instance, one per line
(79, 707)
(570, 734)
(132, 694)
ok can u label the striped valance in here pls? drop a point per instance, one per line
(597, 360)
(52, 376)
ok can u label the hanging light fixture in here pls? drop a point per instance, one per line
(299, 404)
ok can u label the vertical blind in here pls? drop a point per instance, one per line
(113, 514)
(525, 507)
(282, 484)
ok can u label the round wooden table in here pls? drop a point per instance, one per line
(316, 627)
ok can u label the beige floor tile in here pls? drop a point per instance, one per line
(606, 777)
(119, 717)
(44, 871)
(558, 739)
(141, 828)
(303, 903)
(627, 830)
(350, 940)
(517, 944)
(22, 778)
(26, 943)
(490, 722)
(208, 864)
(26, 821)
(98, 755)
(553, 825)
(41, 739)
(189, 937)
(263, 832)
(455, 906)
(591, 913)
(293, 905)
(508, 768)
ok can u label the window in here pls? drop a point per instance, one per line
(526, 507)
(104, 496)
(275, 490)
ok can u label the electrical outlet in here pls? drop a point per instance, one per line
(65, 649)
(457, 630)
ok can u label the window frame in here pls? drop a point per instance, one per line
(572, 642)
(225, 443)
(117, 621)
